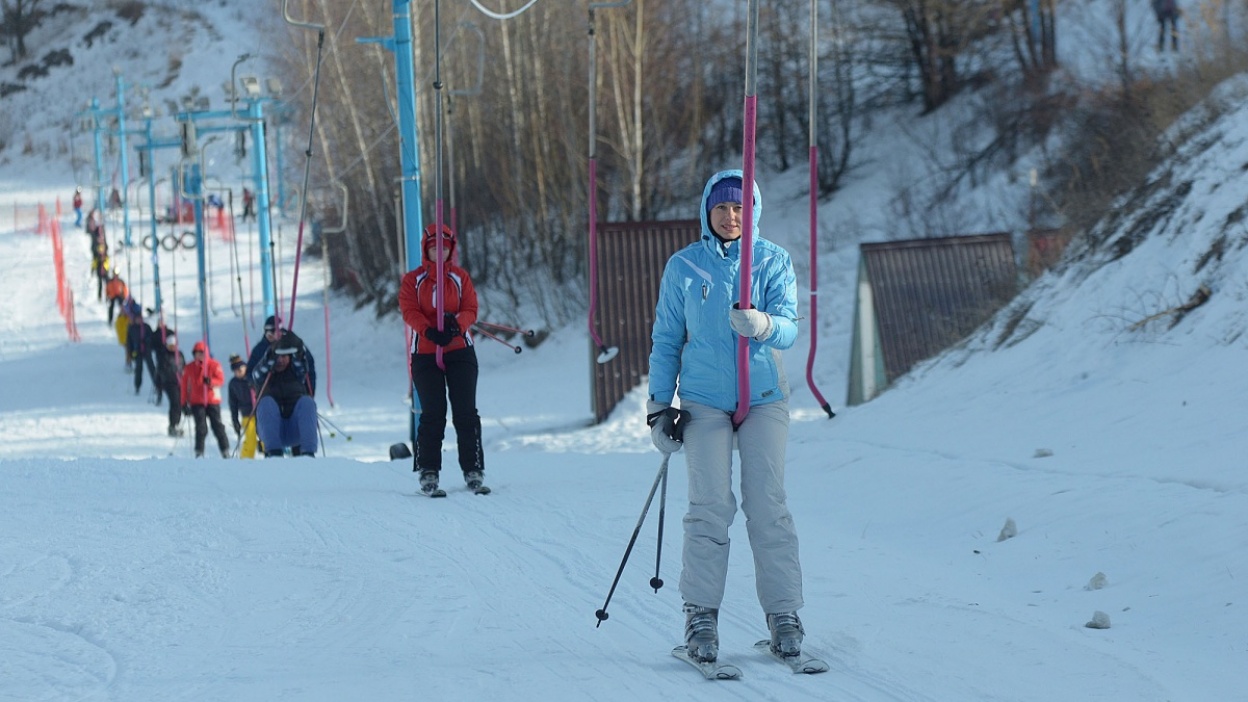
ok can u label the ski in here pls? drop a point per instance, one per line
(710, 671)
(481, 490)
(436, 492)
(801, 663)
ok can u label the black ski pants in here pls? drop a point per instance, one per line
(205, 415)
(173, 393)
(1173, 21)
(139, 360)
(433, 387)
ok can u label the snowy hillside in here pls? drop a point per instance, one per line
(167, 49)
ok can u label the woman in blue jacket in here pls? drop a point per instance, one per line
(696, 328)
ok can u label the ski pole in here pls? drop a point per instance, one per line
(486, 332)
(255, 404)
(602, 613)
(678, 433)
(656, 582)
(491, 325)
(333, 426)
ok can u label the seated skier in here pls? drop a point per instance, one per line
(285, 412)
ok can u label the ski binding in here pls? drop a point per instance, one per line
(801, 663)
(710, 671)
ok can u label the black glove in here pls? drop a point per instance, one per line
(450, 323)
(186, 409)
(667, 426)
(441, 338)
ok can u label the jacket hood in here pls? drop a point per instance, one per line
(707, 235)
(429, 241)
(200, 346)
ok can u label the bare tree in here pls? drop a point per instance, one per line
(837, 101)
(19, 19)
(1031, 25)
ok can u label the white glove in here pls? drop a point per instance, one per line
(752, 323)
(662, 426)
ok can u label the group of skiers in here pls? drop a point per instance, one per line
(279, 371)
(282, 375)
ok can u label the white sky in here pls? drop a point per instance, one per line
(131, 571)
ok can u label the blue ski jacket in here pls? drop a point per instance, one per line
(692, 341)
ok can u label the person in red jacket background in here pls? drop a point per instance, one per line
(78, 206)
(457, 376)
(201, 390)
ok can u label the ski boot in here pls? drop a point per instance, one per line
(702, 633)
(786, 634)
(429, 484)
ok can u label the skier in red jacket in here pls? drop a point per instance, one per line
(457, 376)
(201, 390)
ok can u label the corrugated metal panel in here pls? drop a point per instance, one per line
(930, 293)
(631, 256)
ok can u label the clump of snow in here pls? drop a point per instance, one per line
(1008, 530)
(1100, 620)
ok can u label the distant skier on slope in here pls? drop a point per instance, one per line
(242, 407)
(169, 365)
(201, 391)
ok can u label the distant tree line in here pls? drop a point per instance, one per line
(669, 87)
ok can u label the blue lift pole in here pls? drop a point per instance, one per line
(99, 156)
(194, 189)
(409, 141)
(260, 171)
(409, 153)
(150, 147)
(125, 164)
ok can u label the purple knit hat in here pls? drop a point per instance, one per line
(726, 190)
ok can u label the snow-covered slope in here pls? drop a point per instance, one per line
(130, 571)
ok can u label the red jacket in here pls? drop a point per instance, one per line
(419, 307)
(194, 390)
(116, 289)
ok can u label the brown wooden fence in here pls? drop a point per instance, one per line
(631, 257)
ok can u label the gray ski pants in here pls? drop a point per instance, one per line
(708, 446)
